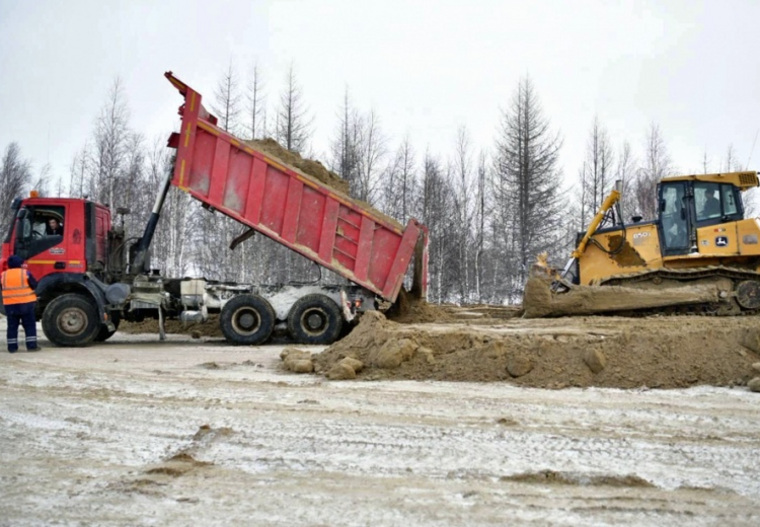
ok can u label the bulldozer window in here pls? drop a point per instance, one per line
(716, 203)
(674, 220)
(707, 198)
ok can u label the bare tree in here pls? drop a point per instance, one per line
(657, 165)
(256, 104)
(436, 206)
(110, 147)
(596, 180)
(15, 179)
(293, 126)
(344, 147)
(462, 183)
(482, 213)
(227, 100)
(78, 172)
(527, 183)
(401, 186)
(372, 152)
(625, 173)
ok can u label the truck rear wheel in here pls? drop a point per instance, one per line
(315, 319)
(71, 320)
(247, 319)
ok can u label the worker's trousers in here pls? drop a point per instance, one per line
(21, 314)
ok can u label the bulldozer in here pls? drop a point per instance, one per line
(699, 256)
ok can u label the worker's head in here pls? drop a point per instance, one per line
(14, 262)
(53, 223)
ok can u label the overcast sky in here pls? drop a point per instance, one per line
(426, 68)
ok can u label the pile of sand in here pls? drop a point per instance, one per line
(209, 328)
(409, 309)
(310, 167)
(656, 352)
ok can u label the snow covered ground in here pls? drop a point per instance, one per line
(141, 432)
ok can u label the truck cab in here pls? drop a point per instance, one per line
(64, 243)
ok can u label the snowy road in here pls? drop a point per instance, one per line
(137, 432)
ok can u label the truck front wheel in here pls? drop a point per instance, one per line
(247, 319)
(315, 319)
(71, 320)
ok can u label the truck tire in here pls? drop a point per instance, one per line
(103, 333)
(315, 319)
(71, 320)
(247, 319)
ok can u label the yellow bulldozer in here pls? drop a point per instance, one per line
(700, 255)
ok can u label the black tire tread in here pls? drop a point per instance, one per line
(331, 309)
(53, 310)
(266, 315)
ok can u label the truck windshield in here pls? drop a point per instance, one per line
(11, 220)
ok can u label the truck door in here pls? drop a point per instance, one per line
(674, 218)
(42, 240)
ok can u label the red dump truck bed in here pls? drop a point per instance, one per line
(291, 207)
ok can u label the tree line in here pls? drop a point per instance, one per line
(490, 209)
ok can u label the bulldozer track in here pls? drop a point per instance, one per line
(728, 307)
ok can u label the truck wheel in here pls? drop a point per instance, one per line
(71, 320)
(247, 319)
(103, 333)
(315, 319)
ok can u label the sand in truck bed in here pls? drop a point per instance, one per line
(316, 170)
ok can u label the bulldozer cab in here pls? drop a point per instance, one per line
(686, 205)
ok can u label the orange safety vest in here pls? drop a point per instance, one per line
(16, 288)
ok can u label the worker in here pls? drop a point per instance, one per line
(19, 301)
(54, 228)
(711, 208)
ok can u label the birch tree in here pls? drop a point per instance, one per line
(15, 180)
(110, 148)
(462, 183)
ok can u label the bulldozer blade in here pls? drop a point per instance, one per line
(540, 300)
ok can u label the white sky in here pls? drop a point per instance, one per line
(425, 67)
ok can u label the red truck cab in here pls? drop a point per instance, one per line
(64, 244)
(58, 235)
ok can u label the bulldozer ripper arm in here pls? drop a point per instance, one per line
(609, 202)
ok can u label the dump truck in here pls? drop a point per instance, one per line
(700, 255)
(91, 278)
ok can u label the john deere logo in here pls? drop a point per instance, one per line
(721, 241)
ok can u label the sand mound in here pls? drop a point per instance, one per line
(409, 309)
(655, 352)
(209, 328)
(309, 167)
